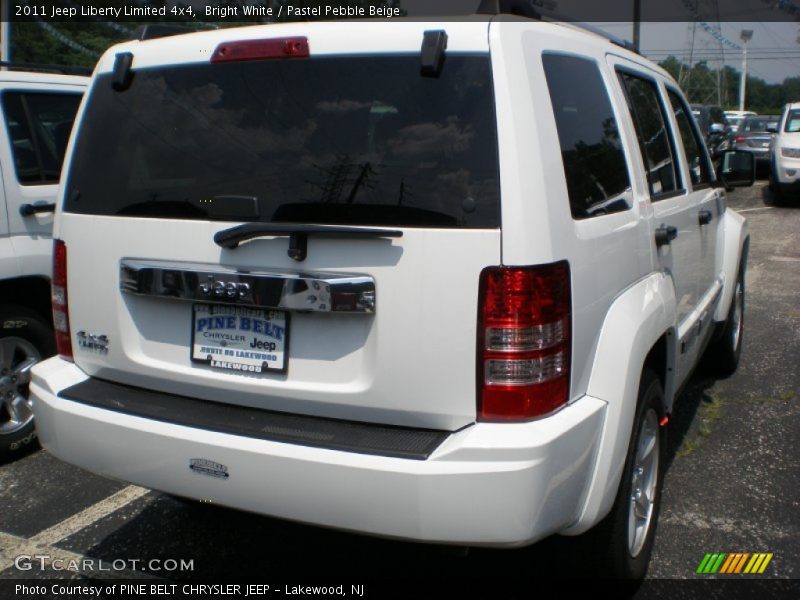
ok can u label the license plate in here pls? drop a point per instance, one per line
(237, 338)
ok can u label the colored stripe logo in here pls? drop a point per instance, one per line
(734, 563)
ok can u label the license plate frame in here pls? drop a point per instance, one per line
(253, 331)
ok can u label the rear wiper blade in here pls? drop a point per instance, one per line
(298, 234)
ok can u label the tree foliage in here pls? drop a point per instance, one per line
(760, 96)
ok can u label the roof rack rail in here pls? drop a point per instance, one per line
(533, 10)
(509, 7)
(151, 32)
(45, 68)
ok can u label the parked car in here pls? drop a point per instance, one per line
(347, 282)
(755, 135)
(714, 126)
(735, 118)
(784, 174)
(37, 112)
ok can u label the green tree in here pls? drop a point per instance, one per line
(761, 97)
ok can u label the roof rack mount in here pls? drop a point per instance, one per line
(537, 9)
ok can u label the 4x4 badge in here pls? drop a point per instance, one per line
(93, 342)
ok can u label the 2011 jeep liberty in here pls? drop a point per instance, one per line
(434, 281)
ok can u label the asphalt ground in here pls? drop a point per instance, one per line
(732, 485)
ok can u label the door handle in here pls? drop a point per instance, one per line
(705, 216)
(665, 234)
(27, 210)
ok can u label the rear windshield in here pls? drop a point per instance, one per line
(343, 140)
(755, 125)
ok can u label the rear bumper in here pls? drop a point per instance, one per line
(488, 484)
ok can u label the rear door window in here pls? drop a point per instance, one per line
(39, 125)
(699, 170)
(594, 162)
(653, 134)
(334, 140)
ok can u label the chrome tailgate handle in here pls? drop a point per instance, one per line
(313, 291)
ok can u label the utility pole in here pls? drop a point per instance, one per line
(5, 31)
(637, 21)
(745, 36)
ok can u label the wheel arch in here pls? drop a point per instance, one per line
(638, 331)
(737, 236)
(29, 292)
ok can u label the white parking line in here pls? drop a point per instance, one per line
(752, 209)
(94, 513)
(42, 544)
(29, 553)
(784, 258)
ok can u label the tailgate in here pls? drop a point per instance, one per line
(377, 325)
(410, 362)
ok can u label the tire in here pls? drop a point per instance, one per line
(623, 541)
(25, 339)
(723, 354)
(776, 193)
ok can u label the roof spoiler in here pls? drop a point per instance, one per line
(45, 68)
(526, 8)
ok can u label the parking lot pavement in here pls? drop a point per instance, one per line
(732, 483)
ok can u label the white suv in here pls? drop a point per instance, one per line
(435, 281)
(37, 111)
(784, 173)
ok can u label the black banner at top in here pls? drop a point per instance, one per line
(267, 11)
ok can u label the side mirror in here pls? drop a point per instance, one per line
(716, 128)
(772, 127)
(738, 169)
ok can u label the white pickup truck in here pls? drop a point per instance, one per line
(438, 281)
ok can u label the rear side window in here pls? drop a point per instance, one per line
(39, 125)
(756, 124)
(359, 140)
(654, 138)
(699, 171)
(594, 162)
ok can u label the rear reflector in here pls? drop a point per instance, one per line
(524, 343)
(290, 47)
(60, 302)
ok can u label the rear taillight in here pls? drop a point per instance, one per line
(740, 139)
(242, 50)
(60, 304)
(524, 341)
